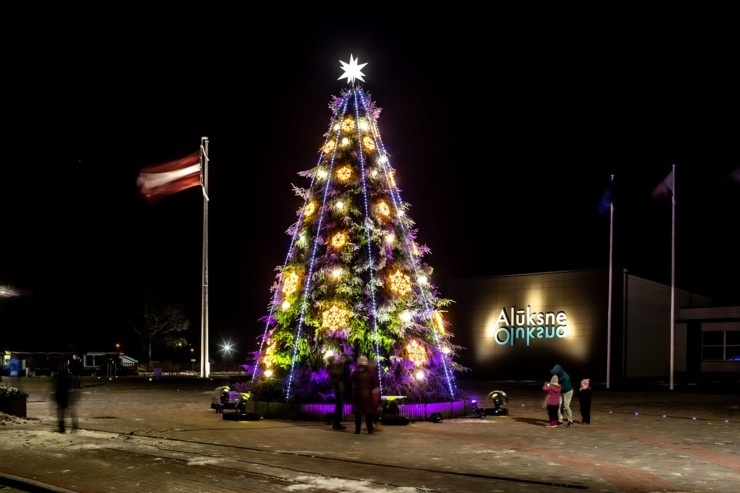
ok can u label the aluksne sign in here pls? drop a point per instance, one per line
(522, 325)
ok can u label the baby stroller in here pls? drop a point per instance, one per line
(223, 398)
(494, 405)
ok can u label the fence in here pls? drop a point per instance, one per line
(318, 412)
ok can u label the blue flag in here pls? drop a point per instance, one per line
(605, 204)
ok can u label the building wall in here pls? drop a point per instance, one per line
(710, 319)
(495, 345)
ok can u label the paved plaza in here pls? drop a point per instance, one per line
(133, 434)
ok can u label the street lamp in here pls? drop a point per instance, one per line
(226, 349)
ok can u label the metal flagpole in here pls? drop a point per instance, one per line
(609, 305)
(205, 364)
(673, 271)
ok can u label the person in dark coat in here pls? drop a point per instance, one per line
(338, 373)
(75, 370)
(364, 383)
(64, 397)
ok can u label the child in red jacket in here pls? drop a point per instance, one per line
(552, 391)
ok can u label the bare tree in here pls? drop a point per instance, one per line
(161, 323)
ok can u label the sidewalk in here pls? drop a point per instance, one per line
(137, 435)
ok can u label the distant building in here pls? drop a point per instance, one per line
(45, 363)
(519, 326)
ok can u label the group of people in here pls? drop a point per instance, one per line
(558, 395)
(360, 386)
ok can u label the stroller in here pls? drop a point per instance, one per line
(494, 405)
(223, 398)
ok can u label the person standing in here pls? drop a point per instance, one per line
(65, 399)
(566, 394)
(75, 371)
(364, 382)
(336, 368)
(552, 401)
(584, 398)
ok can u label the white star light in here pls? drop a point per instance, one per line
(352, 71)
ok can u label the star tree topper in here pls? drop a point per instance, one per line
(352, 70)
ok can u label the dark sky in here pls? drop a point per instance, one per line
(503, 131)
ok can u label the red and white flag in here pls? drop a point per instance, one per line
(164, 179)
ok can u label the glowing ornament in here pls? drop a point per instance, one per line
(337, 272)
(400, 283)
(329, 146)
(439, 322)
(344, 173)
(339, 205)
(285, 305)
(339, 240)
(309, 209)
(363, 124)
(290, 283)
(269, 358)
(368, 143)
(390, 238)
(348, 124)
(322, 174)
(346, 142)
(352, 70)
(416, 352)
(383, 208)
(334, 318)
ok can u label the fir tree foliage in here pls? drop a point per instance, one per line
(354, 281)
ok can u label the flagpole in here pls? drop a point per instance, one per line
(673, 272)
(205, 364)
(609, 305)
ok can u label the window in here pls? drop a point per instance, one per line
(720, 345)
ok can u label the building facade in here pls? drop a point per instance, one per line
(518, 326)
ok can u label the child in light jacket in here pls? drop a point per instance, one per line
(584, 396)
(552, 393)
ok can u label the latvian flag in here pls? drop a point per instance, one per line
(164, 179)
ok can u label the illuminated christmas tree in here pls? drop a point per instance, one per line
(354, 281)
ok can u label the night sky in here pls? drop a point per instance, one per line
(503, 133)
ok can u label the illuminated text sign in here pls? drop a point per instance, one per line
(524, 325)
